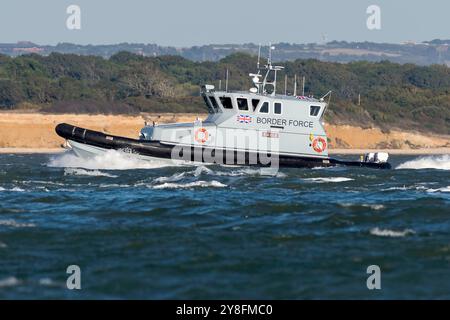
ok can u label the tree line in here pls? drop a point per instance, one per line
(383, 93)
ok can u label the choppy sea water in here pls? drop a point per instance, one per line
(148, 231)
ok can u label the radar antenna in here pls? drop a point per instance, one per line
(261, 85)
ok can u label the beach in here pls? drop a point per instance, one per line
(32, 132)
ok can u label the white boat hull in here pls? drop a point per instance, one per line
(87, 151)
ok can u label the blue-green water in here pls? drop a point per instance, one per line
(222, 232)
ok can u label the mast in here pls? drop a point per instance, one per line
(285, 84)
(303, 86)
(269, 59)
(259, 57)
(261, 85)
(295, 85)
(226, 82)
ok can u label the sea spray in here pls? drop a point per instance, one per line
(110, 160)
(83, 172)
(428, 162)
(390, 233)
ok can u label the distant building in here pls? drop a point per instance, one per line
(28, 50)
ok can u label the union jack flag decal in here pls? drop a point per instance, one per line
(242, 118)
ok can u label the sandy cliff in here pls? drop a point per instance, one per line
(35, 130)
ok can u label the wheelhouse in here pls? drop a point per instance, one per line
(221, 102)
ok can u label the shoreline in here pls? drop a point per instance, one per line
(419, 152)
(31, 132)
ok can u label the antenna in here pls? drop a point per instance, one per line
(259, 56)
(269, 59)
(226, 82)
(295, 85)
(285, 84)
(303, 86)
(270, 69)
(274, 83)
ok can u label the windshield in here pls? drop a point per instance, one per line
(208, 104)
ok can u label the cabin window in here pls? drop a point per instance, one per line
(264, 108)
(214, 103)
(242, 104)
(314, 111)
(208, 104)
(226, 102)
(255, 103)
(277, 108)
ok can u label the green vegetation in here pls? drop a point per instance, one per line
(392, 95)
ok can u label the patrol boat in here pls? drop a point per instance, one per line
(257, 127)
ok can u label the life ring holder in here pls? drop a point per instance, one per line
(204, 135)
(319, 144)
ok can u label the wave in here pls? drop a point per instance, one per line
(240, 172)
(429, 162)
(200, 170)
(47, 282)
(195, 184)
(330, 179)
(405, 188)
(391, 233)
(9, 282)
(445, 189)
(374, 206)
(110, 160)
(15, 224)
(3, 245)
(233, 173)
(116, 185)
(15, 189)
(83, 172)
(173, 178)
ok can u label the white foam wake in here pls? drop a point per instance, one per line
(83, 172)
(195, 184)
(329, 179)
(9, 282)
(374, 206)
(110, 160)
(246, 171)
(15, 189)
(173, 178)
(15, 224)
(445, 189)
(390, 233)
(429, 162)
(371, 206)
(203, 170)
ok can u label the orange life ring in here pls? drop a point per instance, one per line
(319, 144)
(201, 135)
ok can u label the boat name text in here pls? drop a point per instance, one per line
(285, 122)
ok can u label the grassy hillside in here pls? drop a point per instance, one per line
(392, 95)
